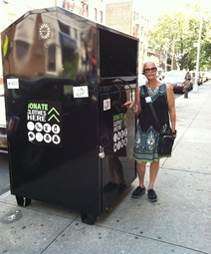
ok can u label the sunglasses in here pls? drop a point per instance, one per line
(153, 69)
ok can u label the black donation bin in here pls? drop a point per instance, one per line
(69, 137)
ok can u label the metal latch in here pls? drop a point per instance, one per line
(101, 153)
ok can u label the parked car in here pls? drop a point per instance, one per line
(204, 76)
(200, 78)
(208, 75)
(3, 134)
(180, 80)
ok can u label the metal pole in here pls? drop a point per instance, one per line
(195, 85)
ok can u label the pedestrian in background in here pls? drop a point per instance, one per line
(147, 135)
(187, 84)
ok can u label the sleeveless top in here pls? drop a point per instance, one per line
(159, 101)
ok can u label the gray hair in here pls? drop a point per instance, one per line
(145, 63)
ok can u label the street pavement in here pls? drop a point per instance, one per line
(179, 223)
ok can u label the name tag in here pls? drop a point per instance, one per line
(148, 99)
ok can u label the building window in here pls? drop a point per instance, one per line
(22, 49)
(75, 33)
(95, 14)
(101, 17)
(64, 28)
(69, 4)
(84, 9)
(52, 57)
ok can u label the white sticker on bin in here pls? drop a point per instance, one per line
(80, 92)
(12, 83)
(106, 104)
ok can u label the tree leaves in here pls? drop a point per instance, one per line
(176, 35)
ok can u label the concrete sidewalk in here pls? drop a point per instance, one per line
(180, 222)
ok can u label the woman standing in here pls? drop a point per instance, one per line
(147, 135)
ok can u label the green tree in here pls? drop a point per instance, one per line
(175, 36)
(206, 47)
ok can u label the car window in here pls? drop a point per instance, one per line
(174, 76)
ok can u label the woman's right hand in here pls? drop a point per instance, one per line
(131, 105)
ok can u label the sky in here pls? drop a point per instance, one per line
(155, 8)
(152, 9)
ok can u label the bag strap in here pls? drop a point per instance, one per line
(152, 110)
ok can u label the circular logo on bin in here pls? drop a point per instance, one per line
(44, 31)
(38, 127)
(47, 138)
(55, 129)
(47, 127)
(56, 139)
(31, 136)
(39, 137)
(30, 126)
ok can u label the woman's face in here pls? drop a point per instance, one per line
(150, 71)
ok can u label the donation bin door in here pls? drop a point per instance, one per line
(52, 138)
(116, 138)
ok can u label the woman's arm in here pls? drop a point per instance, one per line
(136, 103)
(137, 106)
(171, 107)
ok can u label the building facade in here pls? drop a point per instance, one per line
(94, 10)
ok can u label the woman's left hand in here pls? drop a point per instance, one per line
(174, 133)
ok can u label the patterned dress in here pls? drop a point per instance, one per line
(147, 133)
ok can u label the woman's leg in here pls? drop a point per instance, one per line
(141, 168)
(140, 190)
(154, 167)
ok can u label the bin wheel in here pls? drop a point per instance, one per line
(89, 219)
(23, 201)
